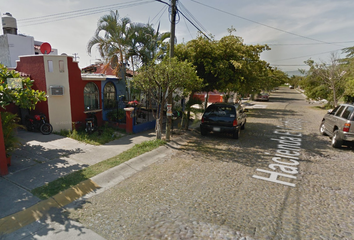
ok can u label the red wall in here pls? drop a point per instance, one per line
(34, 66)
(77, 86)
(212, 98)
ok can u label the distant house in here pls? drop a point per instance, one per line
(114, 90)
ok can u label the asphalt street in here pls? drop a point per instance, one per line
(280, 180)
(208, 189)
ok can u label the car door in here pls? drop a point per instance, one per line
(330, 118)
(337, 118)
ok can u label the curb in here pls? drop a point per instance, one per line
(86, 189)
(21, 219)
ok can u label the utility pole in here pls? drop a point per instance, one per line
(172, 48)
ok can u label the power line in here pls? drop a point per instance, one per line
(191, 15)
(262, 24)
(306, 56)
(187, 28)
(194, 25)
(186, 18)
(163, 9)
(70, 12)
(79, 13)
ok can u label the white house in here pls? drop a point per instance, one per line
(13, 45)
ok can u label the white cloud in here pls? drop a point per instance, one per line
(326, 20)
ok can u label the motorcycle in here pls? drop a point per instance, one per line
(91, 123)
(38, 122)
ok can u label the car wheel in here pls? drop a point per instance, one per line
(236, 134)
(323, 129)
(336, 141)
(243, 125)
(203, 131)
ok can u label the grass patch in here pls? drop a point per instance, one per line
(101, 136)
(76, 177)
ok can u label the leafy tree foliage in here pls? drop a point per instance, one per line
(326, 80)
(228, 64)
(24, 97)
(119, 40)
(169, 75)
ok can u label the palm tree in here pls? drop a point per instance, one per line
(155, 47)
(112, 39)
(119, 40)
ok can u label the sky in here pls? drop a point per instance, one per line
(295, 30)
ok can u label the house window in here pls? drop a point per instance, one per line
(109, 96)
(50, 66)
(61, 66)
(91, 97)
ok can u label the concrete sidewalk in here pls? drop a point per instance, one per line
(44, 158)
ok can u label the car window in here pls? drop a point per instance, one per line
(334, 110)
(221, 111)
(340, 110)
(347, 112)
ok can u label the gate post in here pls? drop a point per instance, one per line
(129, 114)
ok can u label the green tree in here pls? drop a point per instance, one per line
(326, 80)
(24, 97)
(348, 62)
(153, 44)
(227, 65)
(112, 38)
(167, 76)
(119, 40)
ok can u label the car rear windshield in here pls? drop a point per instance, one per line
(220, 111)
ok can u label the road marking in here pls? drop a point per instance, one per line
(256, 107)
(288, 150)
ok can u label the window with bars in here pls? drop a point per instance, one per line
(109, 96)
(91, 97)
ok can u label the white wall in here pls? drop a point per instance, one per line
(4, 51)
(13, 46)
(18, 46)
(58, 106)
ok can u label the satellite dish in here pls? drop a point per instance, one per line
(45, 48)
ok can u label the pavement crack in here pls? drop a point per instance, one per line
(20, 186)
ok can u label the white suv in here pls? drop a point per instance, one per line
(338, 124)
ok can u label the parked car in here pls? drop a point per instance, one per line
(338, 124)
(262, 97)
(291, 86)
(223, 118)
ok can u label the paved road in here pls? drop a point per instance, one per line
(280, 180)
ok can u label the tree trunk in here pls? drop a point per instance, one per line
(159, 120)
(334, 97)
(158, 128)
(188, 111)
